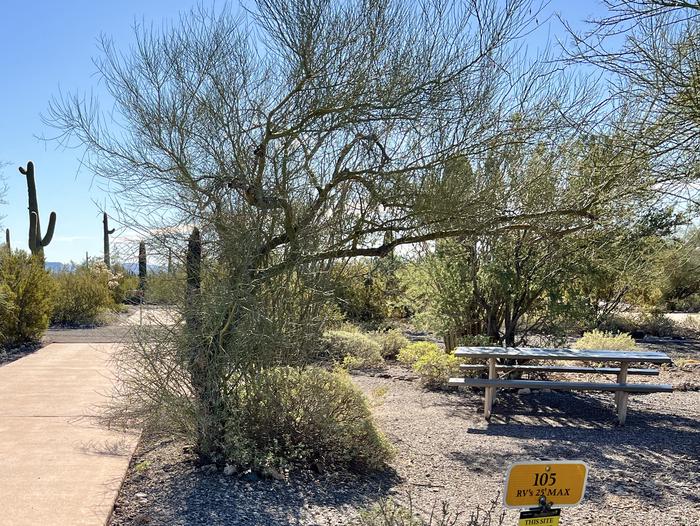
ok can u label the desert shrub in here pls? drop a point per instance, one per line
(355, 349)
(84, 295)
(391, 341)
(654, 324)
(657, 324)
(690, 303)
(412, 352)
(691, 323)
(388, 512)
(596, 339)
(299, 417)
(164, 288)
(26, 298)
(615, 323)
(435, 367)
(126, 283)
(475, 340)
(7, 310)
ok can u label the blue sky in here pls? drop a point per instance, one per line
(47, 46)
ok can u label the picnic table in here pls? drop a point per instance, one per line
(621, 359)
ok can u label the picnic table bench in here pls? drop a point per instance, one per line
(621, 388)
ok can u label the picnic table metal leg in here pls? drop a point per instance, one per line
(490, 393)
(621, 396)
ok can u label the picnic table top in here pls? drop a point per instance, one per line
(535, 353)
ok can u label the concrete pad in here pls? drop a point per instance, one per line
(57, 465)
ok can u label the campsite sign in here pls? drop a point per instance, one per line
(560, 482)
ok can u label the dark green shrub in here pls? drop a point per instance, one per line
(290, 416)
(26, 298)
(84, 295)
(654, 324)
(617, 323)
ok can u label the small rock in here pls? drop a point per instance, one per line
(229, 470)
(209, 468)
(273, 473)
(141, 495)
(250, 476)
(525, 391)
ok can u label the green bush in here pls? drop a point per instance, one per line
(165, 289)
(392, 341)
(435, 367)
(412, 352)
(26, 298)
(83, 295)
(596, 339)
(290, 416)
(355, 349)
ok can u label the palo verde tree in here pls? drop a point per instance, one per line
(300, 132)
(648, 52)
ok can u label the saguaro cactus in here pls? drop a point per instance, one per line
(142, 266)
(194, 268)
(207, 392)
(36, 242)
(106, 232)
(7, 241)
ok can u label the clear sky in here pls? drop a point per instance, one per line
(47, 46)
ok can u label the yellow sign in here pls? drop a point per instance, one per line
(561, 482)
(538, 521)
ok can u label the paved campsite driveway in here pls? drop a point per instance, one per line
(57, 465)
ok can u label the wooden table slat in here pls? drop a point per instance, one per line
(535, 353)
(565, 386)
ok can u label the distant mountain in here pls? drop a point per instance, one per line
(55, 266)
(131, 268)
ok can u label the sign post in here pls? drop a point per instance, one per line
(544, 488)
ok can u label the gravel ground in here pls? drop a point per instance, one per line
(10, 355)
(646, 473)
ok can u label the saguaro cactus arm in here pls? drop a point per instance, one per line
(49, 233)
(7, 240)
